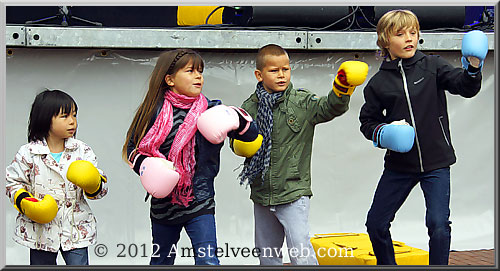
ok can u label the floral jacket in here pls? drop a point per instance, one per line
(35, 170)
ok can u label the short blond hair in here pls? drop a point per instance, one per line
(393, 21)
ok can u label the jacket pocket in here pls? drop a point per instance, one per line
(442, 130)
(293, 121)
(293, 173)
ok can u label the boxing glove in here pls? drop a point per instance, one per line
(83, 174)
(158, 176)
(40, 211)
(474, 50)
(246, 149)
(395, 137)
(216, 122)
(349, 75)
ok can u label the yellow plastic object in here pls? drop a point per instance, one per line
(197, 15)
(356, 249)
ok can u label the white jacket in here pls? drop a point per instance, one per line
(35, 170)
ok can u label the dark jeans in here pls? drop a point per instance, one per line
(201, 231)
(77, 256)
(392, 190)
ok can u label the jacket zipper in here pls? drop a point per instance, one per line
(442, 129)
(407, 93)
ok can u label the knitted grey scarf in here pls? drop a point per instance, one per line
(259, 163)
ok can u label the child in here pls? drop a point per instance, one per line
(279, 173)
(62, 220)
(405, 111)
(165, 127)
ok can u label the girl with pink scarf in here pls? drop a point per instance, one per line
(164, 126)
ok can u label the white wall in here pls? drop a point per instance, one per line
(345, 166)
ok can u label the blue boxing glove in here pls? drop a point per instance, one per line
(474, 51)
(395, 137)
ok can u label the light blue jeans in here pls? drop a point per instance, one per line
(274, 223)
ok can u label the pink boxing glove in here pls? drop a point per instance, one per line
(216, 122)
(158, 176)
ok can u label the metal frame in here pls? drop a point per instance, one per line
(83, 37)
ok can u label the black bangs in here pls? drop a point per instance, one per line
(47, 104)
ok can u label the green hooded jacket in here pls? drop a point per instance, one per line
(295, 115)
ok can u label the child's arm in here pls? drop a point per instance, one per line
(371, 115)
(18, 177)
(457, 81)
(350, 75)
(467, 81)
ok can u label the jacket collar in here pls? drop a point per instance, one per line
(280, 99)
(41, 146)
(393, 64)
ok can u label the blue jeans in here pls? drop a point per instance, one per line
(201, 231)
(273, 223)
(392, 190)
(77, 256)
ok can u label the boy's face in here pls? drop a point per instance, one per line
(275, 76)
(403, 43)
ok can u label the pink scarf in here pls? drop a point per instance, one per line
(182, 149)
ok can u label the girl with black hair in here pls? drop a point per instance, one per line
(53, 212)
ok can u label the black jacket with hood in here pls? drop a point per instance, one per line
(414, 89)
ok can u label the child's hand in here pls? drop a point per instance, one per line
(350, 74)
(83, 174)
(397, 136)
(400, 122)
(474, 61)
(40, 211)
(158, 176)
(474, 50)
(216, 122)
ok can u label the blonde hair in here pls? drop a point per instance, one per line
(391, 22)
(169, 62)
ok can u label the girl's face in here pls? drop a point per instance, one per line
(63, 125)
(403, 43)
(187, 81)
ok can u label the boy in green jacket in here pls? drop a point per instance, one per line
(279, 173)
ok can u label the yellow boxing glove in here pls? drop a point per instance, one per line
(40, 211)
(83, 174)
(351, 73)
(246, 149)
